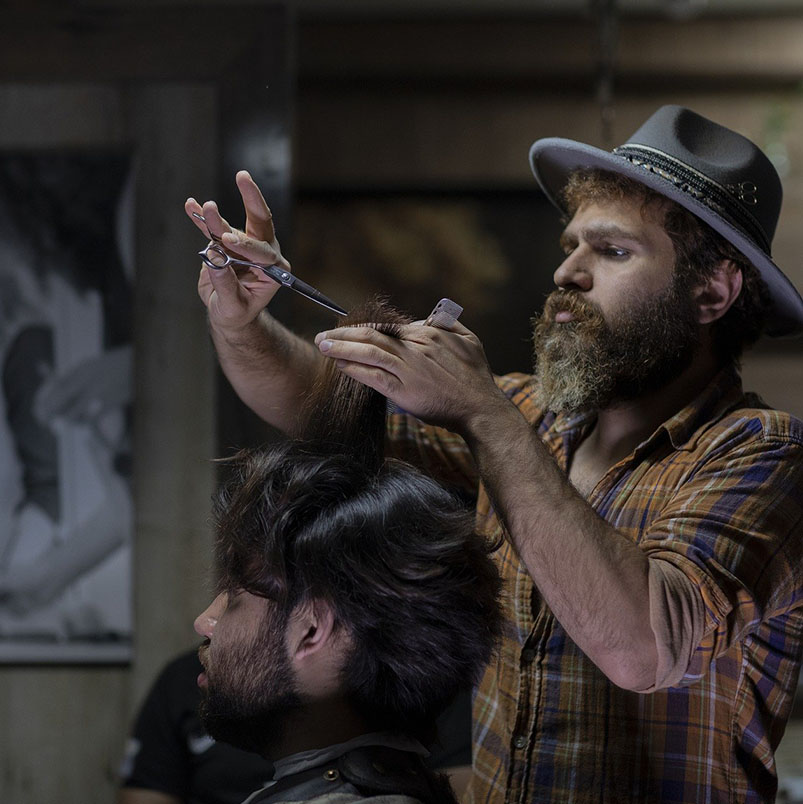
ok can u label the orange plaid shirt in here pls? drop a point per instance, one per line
(716, 491)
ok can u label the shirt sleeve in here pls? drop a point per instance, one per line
(439, 452)
(726, 554)
(677, 618)
(434, 450)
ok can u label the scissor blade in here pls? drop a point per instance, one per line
(312, 294)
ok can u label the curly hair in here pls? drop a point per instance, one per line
(698, 250)
(394, 553)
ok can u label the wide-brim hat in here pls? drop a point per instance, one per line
(718, 175)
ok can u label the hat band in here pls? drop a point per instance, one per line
(699, 186)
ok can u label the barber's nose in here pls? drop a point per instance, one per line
(573, 274)
(206, 621)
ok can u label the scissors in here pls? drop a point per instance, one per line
(215, 256)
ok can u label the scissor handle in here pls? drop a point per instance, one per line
(273, 271)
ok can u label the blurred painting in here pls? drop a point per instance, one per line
(65, 408)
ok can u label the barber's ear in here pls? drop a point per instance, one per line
(311, 628)
(716, 295)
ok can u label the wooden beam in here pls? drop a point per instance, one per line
(93, 44)
(417, 54)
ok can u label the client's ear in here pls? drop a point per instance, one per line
(317, 648)
(310, 628)
(716, 295)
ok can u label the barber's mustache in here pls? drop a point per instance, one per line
(570, 301)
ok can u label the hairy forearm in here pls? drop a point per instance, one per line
(594, 580)
(269, 367)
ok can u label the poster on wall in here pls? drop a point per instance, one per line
(66, 273)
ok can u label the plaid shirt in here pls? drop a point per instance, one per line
(717, 491)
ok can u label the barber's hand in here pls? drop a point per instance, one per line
(440, 376)
(235, 298)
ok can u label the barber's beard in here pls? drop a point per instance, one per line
(588, 364)
(250, 694)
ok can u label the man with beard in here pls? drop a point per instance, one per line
(652, 511)
(355, 599)
(353, 604)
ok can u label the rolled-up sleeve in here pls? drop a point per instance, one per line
(726, 554)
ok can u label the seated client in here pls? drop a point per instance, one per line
(354, 600)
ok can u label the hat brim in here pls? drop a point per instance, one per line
(553, 159)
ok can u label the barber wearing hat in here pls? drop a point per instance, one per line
(652, 511)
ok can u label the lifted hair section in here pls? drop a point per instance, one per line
(343, 414)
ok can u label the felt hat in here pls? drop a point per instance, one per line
(718, 175)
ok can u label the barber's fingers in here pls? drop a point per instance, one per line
(254, 249)
(222, 281)
(231, 301)
(456, 338)
(359, 333)
(339, 341)
(457, 328)
(366, 354)
(386, 382)
(459, 342)
(415, 331)
(215, 222)
(231, 284)
(259, 220)
(362, 345)
(431, 329)
(193, 208)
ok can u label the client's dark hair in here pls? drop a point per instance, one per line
(393, 552)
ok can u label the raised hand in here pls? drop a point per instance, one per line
(234, 298)
(439, 376)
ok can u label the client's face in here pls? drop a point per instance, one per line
(248, 682)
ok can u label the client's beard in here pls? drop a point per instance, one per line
(251, 693)
(588, 364)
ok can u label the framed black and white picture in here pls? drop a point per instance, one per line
(65, 406)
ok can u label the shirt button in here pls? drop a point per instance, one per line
(527, 655)
(520, 741)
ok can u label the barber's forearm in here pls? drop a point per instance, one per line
(593, 579)
(269, 367)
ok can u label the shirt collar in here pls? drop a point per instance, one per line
(721, 394)
(304, 760)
